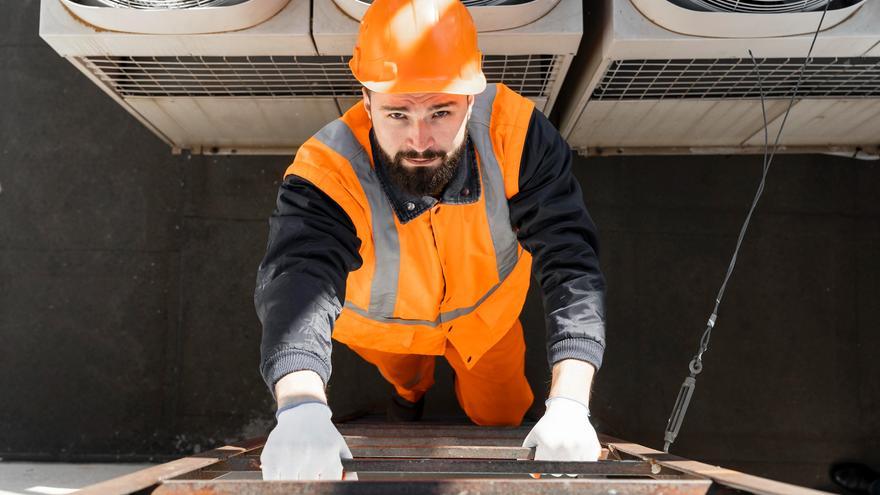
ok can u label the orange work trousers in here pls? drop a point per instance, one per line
(494, 392)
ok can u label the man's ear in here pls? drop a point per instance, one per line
(366, 95)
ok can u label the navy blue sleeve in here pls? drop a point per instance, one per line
(553, 225)
(300, 289)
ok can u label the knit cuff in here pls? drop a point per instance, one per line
(289, 359)
(576, 348)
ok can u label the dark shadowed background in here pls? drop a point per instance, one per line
(127, 328)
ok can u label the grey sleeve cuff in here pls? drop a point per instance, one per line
(287, 359)
(582, 349)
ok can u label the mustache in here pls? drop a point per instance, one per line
(420, 155)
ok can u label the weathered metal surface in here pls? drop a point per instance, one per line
(604, 468)
(436, 487)
(416, 452)
(483, 434)
(151, 476)
(249, 462)
(375, 441)
(437, 459)
(451, 452)
(431, 430)
(723, 476)
(442, 451)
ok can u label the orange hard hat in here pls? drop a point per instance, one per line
(418, 46)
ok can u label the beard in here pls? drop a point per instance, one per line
(427, 180)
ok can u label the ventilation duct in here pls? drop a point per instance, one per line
(638, 87)
(173, 16)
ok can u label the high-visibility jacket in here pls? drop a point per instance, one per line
(325, 254)
(415, 289)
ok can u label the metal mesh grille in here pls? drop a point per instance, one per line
(165, 4)
(289, 76)
(756, 6)
(738, 79)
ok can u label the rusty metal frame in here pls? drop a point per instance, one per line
(442, 458)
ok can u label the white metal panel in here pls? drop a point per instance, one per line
(287, 33)
(230, 123)
(661, 123)
(874, 51)
(827, 122)
(346, 103)
(541, 104)
(334, 32)
(118, 99)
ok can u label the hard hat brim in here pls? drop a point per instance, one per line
(472, 86)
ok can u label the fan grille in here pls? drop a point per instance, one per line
(165, 4)
(738, 78)
(288, 76)
(763, 6)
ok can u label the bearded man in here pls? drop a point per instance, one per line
(408, 229)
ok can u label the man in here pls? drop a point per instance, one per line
(408, 228)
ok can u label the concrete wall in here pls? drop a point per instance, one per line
(127, 328)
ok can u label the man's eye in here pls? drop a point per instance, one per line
(397, 116)
(441, 114)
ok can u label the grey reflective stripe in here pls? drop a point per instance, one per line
(503, 238)
(389, 319)
(444, 317)
(455, 313)
(383, 289)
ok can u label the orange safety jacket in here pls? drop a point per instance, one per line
(417, 287)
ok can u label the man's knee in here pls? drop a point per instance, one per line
(508, 412)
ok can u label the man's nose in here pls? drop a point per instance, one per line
(421, 137)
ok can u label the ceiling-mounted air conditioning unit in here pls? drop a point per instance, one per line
(675, 76)
(526, 44)
(256, 89)
(249, 76)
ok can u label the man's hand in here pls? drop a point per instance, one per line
(564, 433)
(304, 446)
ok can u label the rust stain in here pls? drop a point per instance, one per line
(84, 23)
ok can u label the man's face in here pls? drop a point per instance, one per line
(421, 135)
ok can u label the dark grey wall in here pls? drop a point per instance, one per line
(126, 273)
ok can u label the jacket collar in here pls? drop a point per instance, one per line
(464, 188)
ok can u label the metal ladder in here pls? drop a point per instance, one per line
(416, 458)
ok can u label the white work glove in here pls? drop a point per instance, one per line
(564, 433)
(305, 445)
